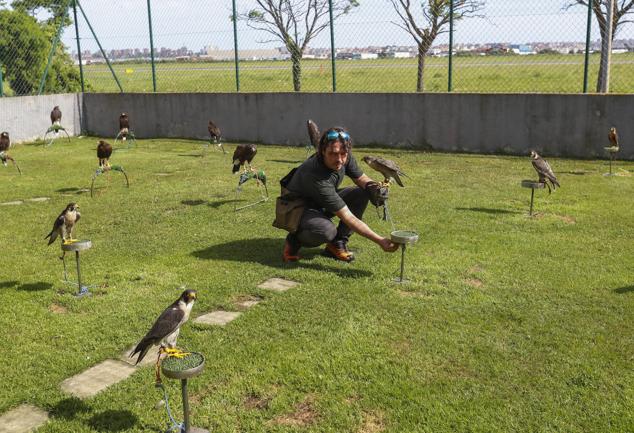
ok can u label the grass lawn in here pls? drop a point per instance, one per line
(539, 73)
(508, 323)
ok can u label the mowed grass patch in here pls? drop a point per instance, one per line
(508, 323)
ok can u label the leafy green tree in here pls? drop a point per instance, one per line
(23, 50)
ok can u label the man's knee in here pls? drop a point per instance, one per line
(315, 236)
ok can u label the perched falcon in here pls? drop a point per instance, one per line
(614, 137)
(243, 153)
(313, 133)
(64, 224)
(544, 171)
(214, 131)
(165, 330)
(56, 116)
(124, 126)
(104, 150)
(387, 168)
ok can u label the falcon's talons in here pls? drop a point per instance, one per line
(174, 353)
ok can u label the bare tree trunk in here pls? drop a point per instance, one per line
(423, 48)
(607, 34)
(296, 57)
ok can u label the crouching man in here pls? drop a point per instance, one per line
(317, 181)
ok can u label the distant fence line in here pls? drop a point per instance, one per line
(389, 54)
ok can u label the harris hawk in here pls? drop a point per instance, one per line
(243, 154)
(5, 144)
(313, 133)
(214, 134)
(104, 150)
(64, 224)
(166, 328)
(56, 116)
(389, 169)
(613, 136)
(545, 172)
(124, 126)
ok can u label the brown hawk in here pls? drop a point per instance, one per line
(544, 171)
(244, 153)
(386, 167)
(124, 126)
(613, 136)
(313, 133)
(56, 116)
(104, 150)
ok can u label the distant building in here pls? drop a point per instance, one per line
(264, 54)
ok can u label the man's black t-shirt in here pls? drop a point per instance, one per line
(318, 184)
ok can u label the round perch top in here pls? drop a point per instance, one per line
(532, 184)
(612, 149)
(404, 236)
(183, 368)
(77, 246)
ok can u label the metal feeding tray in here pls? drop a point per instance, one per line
(183, 368)
(404, 238)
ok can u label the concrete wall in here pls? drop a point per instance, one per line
(557, 125)
(26, 118)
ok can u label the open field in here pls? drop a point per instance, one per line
(509, 323)
(497, 74)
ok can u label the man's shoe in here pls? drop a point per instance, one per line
(339, 250)
(290, 253)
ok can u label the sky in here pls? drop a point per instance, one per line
(200, 23)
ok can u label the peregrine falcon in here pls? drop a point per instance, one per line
(387, 168)
(124, 126)
(64, 224)
(165, 330)
(104, 150)
(214, 135)
(313, 133)
(613, 136)
(544, 171)
(244, 153)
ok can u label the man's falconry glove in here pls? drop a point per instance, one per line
(378, 194)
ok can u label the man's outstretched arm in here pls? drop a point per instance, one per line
(358, 226)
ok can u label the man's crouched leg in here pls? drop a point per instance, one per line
(291, 248)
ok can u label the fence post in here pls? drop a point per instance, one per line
(450, 74)
(332, 48)
(235, 45)
(1, 82)
(149, 19)
(81, 67)
(587, 56)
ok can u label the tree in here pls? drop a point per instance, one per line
(435, 20)
(295, 23)
(600, 9)
(23, 50)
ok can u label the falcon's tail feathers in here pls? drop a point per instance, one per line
(398, 180)
(52, 235)
(142, 349)
(236, 166)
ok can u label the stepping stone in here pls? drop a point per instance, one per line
(23, 419)
(217, 318)
(97, 378)
(163, 174)
(248, 303)
(39, 199)
(278, 284)
(11, 203)
(150, 357)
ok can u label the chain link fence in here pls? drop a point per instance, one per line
(541, 46)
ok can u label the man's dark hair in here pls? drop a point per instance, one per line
(324, 142)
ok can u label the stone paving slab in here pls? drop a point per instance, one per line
(278, 284)
(11, 203)
(97, 378)
(150, 356)
(217, 318)
(38, 199)
(23, 419)
(249, 303)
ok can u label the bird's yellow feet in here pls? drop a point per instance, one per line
(69, 241)
(174, 353)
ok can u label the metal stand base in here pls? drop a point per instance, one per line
(102, 170)
(76, 247)
(260, 180)
(130, 138)
(532, 185)
(56, 129)
(403, 237)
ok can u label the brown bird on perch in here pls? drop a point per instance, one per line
(124, 126)
(387, 168)
(104, 150)
(214, 135)
(613, 136)
(243, 154)
(544, 171)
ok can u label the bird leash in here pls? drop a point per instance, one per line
(172, 425)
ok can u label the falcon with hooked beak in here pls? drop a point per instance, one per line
(165, 330)
(64, 224)
(387, 168)
(542, 167)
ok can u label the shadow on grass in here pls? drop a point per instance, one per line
(69, 408)
(35, 287)
(73, 189)
(488, 210)
(7, 284)
(213, 204)
(627, 289)
(268, 252)
(575, 172)
(191, 155)
(113, 420)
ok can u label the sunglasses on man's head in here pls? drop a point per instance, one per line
(334, 135)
